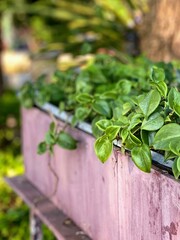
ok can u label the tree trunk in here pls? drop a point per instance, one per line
(160, 31)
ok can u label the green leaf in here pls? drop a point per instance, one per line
(175, 147)
(84, 98)
(175, 167)
(122, 121)
(103, 124)
(96, 131)
(178, 164)
(132, 141)
(117, 112)
(174, 100)
(169, 155)
(145, 137)
(124, 86)
(141, 156)
(112, 132)
(167, 135)
(81, 113)
(154, 122)
(157, 74)
(61, 106)
(151, 136)
(109, 95)
(102, 107)
(74, 121)
(150, 102)
(135, 120)
(49, 138)
(124, 134)
(171, 96)
(162, 88)
(103, 148)
(66, 141)
(42, 148)
(52, 127)
(126, 107)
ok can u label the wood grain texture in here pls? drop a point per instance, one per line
(170, 200)
(139, 202)
(111, 201)
(87, 189)
(34, 125)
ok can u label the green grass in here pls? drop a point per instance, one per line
(14, 214)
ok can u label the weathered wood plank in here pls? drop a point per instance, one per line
(62, 227)
(170, 201)
(83, 181)
(34, 125)
(139, 202)
(111, 201)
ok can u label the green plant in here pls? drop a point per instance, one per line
(135, 102)
(152, 122)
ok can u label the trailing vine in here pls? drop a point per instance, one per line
(138, 103)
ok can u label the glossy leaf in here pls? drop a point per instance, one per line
(112, 132)
(135, 120)
(65, 140)
(154, 122)
(124, 134)
(103, 148)
(151, 136)
(81, 113)
(175, 147)
(162, 88)
(117, 112)
(102, 107)
(103, 124)
(95, 130)
(175, 167)
(145, 137)
(124, 86)
(157, 74)
(122, 121)
(174, 100)
(42, 148)
(126, 108)
(109, 95)
(49, 138)
(169, 155)
(150, 102)
(132, 141)
(167, 135)
(141, 156)
(178, 164)
(52, 127)
(84, 98)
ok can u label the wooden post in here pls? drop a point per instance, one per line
(35, 227)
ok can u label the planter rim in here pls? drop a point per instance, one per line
(86, 127)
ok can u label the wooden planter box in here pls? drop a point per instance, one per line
(111, 201)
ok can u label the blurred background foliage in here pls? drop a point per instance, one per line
(14, 215)
(69, 25)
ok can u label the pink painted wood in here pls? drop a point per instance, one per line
(87, 189)
(111, 201)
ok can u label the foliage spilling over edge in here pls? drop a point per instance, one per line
(138, 103)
